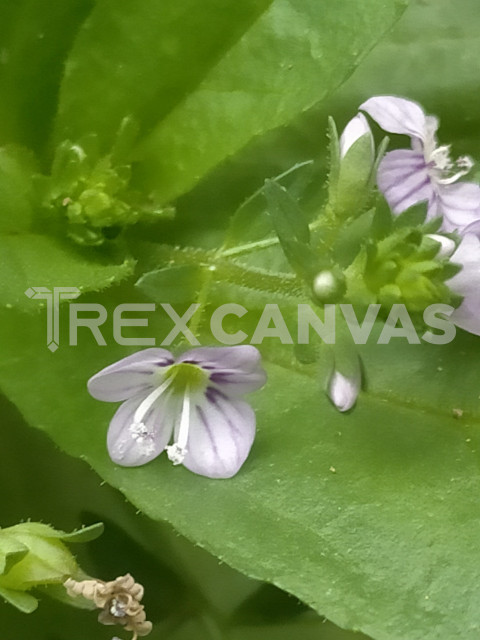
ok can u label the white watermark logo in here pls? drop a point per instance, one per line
(270, 324)
(53, 298)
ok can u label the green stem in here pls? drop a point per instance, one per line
(220, 270)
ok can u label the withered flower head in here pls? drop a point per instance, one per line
(119, 601)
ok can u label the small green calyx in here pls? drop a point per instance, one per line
(401, 268)
(187, 376)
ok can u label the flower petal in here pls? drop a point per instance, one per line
(126, 446)
(467, 281)
(404, 180)
(398, 115)
(236, 370)
(343, 391)
(128, 376)
(473, 227)
(459, 204)
(467, 284)
(355, 129)
(467, 316)
(221, 435)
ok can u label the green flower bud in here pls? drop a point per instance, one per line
(93, 194)
(32, 555)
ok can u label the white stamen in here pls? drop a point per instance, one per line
(178, 450)
(139, 431)
(175, 453)
(117, 609)
(464, 165)
(440, 157)
(145, 406)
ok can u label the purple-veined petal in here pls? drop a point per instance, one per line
(404, 180)
(237, 370)
(355, 129)
(459, 204)
(468, 279)
(473, 227)
(398, 115)
(126, 444)
(221, 434)
(343, 390)
(467, 284)
(129, 376)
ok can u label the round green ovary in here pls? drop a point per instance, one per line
(184, 375)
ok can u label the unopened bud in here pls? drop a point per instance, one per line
(343, 391)
(355, 129)
(447, 245)
(328, 286)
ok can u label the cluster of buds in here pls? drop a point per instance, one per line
(119, 601)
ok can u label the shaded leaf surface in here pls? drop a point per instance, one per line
(353, 514)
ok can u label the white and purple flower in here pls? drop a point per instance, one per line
(425, 172)
(196, 398)
(466, 283)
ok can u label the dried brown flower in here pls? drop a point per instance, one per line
(119, 601)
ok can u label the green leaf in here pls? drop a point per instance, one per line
(289, 219)
(289, 60)
(352, 187)
(150, 55)
(34, 45)
(208, 78)
(11, 552)
(31, 260)
(16, 194)
(291, 225)
(172, 284)
(382, 503)
(84, 534)
(19, 599)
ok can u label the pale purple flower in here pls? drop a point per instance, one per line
(195, 398)
(343, 390)
(354, 130)
(466, 283)
(425, 172)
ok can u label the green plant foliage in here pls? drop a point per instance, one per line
(227, 81)
(370, 518)
(29, 259)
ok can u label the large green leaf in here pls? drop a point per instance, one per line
(290, 59)
(41, 261)
(16, 192)
(372, 518)
(208, 80)
(149, 55)
(34, 43)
